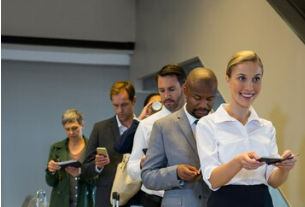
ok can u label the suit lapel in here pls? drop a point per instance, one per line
(184, 124)
(114, 128)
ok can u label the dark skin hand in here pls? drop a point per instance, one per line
(187, 172)
(143, 158)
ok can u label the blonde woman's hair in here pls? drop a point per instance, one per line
(241, 57)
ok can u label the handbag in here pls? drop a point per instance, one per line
(123, 184)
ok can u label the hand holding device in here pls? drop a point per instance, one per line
(69, 163)
(273, 160)
(187, 172)
(53, 166)
(73, 171)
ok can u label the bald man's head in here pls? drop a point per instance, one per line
(200, 90)
(202, 76)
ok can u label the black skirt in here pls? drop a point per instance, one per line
(241, 196)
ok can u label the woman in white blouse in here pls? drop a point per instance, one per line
(231, 140)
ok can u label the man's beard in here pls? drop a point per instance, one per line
(206, 112)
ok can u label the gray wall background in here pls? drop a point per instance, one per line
(34, 96)
(70, 19)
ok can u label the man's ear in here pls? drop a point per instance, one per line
(134, 100)
(184, 87)
(83, 125)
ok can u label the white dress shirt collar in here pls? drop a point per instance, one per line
(121, 127)
(190, 117)
(223, 116)
(164, 110)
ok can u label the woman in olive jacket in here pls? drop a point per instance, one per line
(70, 188)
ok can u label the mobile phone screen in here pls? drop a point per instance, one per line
(269, 160)
(102, 151)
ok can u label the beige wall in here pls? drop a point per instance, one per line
(176, 30)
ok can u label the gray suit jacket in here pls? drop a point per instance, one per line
(172, 143)
(104, 134)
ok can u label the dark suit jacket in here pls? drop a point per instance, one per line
(104, 134)
(172, 143)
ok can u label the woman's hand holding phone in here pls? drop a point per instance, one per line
(288, 161)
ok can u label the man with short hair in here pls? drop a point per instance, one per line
(170, 80)
(172, 162)
(104, 134)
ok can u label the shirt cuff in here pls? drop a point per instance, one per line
(206, 176)
(133, 169)
(98, 170)
(181, 183)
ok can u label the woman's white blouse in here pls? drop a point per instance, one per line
(220, 138)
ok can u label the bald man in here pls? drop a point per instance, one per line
(172, 162)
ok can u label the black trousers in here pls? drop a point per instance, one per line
(151, 200)
(241, 196)
(137, 199)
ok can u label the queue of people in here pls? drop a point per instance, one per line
(184, 154)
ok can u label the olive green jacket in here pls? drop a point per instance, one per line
(60, 180)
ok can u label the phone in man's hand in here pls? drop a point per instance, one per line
(102, 151)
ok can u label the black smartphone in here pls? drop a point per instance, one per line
(144, 150)
(269, 160)
(273, 160)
